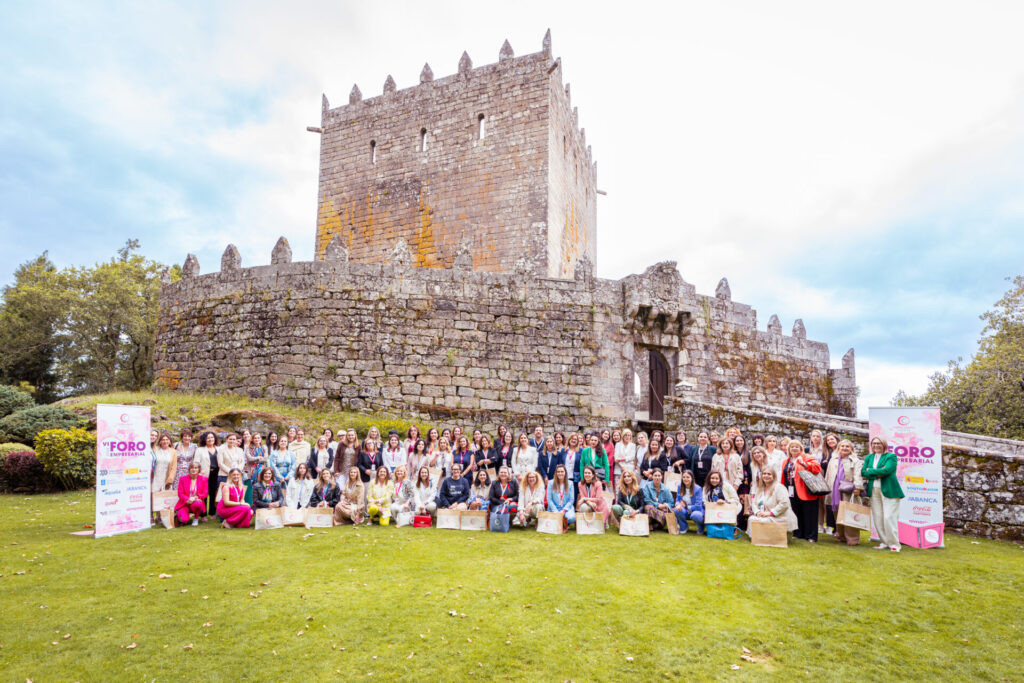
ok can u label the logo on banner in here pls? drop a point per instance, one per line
(903, 420)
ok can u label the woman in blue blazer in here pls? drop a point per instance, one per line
(689, 503)
(548, 459)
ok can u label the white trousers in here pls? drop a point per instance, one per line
(885, 516)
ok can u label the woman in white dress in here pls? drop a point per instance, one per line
(164, 464)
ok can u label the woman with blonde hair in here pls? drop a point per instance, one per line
(727, 461)
(826, 517)
(771, 503)
(402, 501)
(231, 505)
(443, 457)
(625, 454)
(883, 488)
(572, 455)
(629, 499)
(775, 455)
(803, 502)
(758, 464)
(424, 494)
(379, 497)
(350, 503)
(532, 498)
(845, 480)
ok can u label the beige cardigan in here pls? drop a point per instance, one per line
(775, 501)
(851, 472)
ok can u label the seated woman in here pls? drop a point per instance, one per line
(562, 495)
(402, 502)
(266, 493)
(193, 489)
(424, 494)
(532, 498)
(379, 497)
(453, 493)
(300, 488)
(629, 499)
(326, 493)
(480, 491)
(350, 503)
(504, 495)
(771, 503)
(232, 507)
(718, 490)
(658, 498)
(689, 503)
(591, 495)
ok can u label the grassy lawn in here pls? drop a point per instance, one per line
(376, 603)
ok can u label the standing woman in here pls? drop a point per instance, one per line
(572, 458)
(548, 459)
(463, 455)
(348, 451)
(209, 451)
(193, 490)
(727, 462)
(231, 506)
(591, 494)
(329, 435)
(609, 450)
(658, 499)
(560, 442)
(300, 488)
(884, 490)
(379, 497)
(411, 437)
(483, 452)
(256, 456)
(281, 461)
(424, 494)
(826, 516)
(326, 493)
(394, 454)
(480, 491)
(594, 456)
(674, 455)
(702, 458)
(775, 456)
(443, 457)
(654, 459)
(803, 503)
(689, 503)
(433, 441)
(374, 435)
(739, 444)
(758, 464)
(532, 498)
(418, 457)
(186, 451)
(562, 495)
(369, 460)
(322, 457)
(844, 478)
(524, 459)
(266, 492)
(231, 456)
(625, 454)
(476, 445)
(629, 498)
(166, 457)
(502, 454)
(350, 503)
(298, 445)
(402, 500)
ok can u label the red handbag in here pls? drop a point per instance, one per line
(421, 520)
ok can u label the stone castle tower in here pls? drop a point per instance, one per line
(490, 160)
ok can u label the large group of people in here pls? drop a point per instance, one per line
(608, 473)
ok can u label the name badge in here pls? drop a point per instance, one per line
(700, 464)
(792, 491)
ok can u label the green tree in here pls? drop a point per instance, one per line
(986, 395)
(30, 312)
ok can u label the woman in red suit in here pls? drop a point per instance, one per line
(192, 492)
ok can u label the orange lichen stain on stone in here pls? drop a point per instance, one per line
(570, 239)
(424, 252)
(328, 224)
(168, 378)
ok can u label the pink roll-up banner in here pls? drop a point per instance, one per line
(915, 436)
(123, 464)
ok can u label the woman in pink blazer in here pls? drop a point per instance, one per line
(591, 495)
(192, 492)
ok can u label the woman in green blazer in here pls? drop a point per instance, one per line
(883, 488)
(594, 456)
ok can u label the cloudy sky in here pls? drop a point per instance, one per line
(858, 166)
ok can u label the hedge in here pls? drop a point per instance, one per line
(23, 425)
(8, 448)
(68, 455)
(22, 472)
(13, 400)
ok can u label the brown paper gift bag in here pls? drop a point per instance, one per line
(269, 519)
(164, 500)
(671, 523)
(319, 518)
(492, 473)
(719, 513)
(589, 523)
(448, 519)
(168, 518)
(854, 515)
(473, 520)
(673, 480)
(771, 534)
(292, 516)
(551, 523)
(637, 525)
(436, 474)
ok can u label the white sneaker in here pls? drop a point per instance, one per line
(896, 548)
(881, 546)
(195, 522)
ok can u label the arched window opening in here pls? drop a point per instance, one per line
(373, 151)
(423, 139)
(481, 127)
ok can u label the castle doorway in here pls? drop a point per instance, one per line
(658, 386)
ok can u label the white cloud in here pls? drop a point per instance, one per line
(880, 380)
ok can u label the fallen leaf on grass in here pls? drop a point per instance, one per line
(746, 651)
(66, 636)
(629, 659)
(165, 576)
(189, 646)
(184, 590)
(748, 658)
(208, 624)
(264, 583)
(409, 656)
(735, 667)
(132, 646)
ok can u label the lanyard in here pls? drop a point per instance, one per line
(504, 489)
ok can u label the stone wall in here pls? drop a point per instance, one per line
(490, 158)
(454, 341)
(983, 478)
